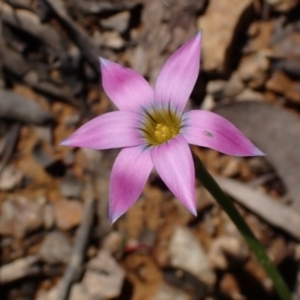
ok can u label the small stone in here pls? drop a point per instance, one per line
(44, 133)
(187, 253)
(71, 187)
(215, 87)
(148, 238)
(167, 292)
(110, 39)
(69, 158)
(224, 246)
(234, 86)
(19, 216)
(231, 166)
(48, 216)
(78, 292)
(51, 294)
(72, 120)
(253, 69)
(67, 214)
(113, 40)
(279, 250)
(92, 158)
(250, 95)
(55, 248)
(10, 178)
(118, 22)
(104, 277)
(208, 103)
(137, 57)
(282, 6)
(43, 155)
(112, 241)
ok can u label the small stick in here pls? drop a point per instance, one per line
(10, 141)
(81, 240)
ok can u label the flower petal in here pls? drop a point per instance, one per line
(174, 163)
(207, 129)
(178, 76)
(128, 178)
(112, 130)
(125, 87)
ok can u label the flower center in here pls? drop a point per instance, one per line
(160, 126)
(164, 133)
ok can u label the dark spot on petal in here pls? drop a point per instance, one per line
(208, 134)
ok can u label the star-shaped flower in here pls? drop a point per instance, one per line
(153, 129)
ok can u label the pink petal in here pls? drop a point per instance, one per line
(112, 130)
(178, 76)
(125, 87)
(174, 163)
(128, 178)
(207, 129)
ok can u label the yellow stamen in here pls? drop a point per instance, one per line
(160, 127)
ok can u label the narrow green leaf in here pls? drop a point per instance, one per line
(210, 184)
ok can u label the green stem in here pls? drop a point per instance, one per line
(210, 184)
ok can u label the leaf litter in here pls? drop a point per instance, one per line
(56, 240)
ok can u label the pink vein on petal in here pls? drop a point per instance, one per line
(178, 76)
(174, 164)
(112, 130)
(126, 88)
(128, 178)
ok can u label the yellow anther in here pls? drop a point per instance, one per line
(161, 127)
(163, 133)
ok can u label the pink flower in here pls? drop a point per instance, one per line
(153, 129)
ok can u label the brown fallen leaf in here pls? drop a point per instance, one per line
(283, 6)
(253, 69)
(19, 108)
(118, 22)
(219, 24)
(98, 7)
(274, 212)
(283, 84)
(68, 214)
(77, 33)
(12, 60)
(288, 46)
(289, 66)
(16, 64)
(259, 34)
(29, 22)
(20, 216)
(159, 38)
(276, 132)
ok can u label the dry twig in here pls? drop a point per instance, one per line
(10, 143)
(81, 241)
